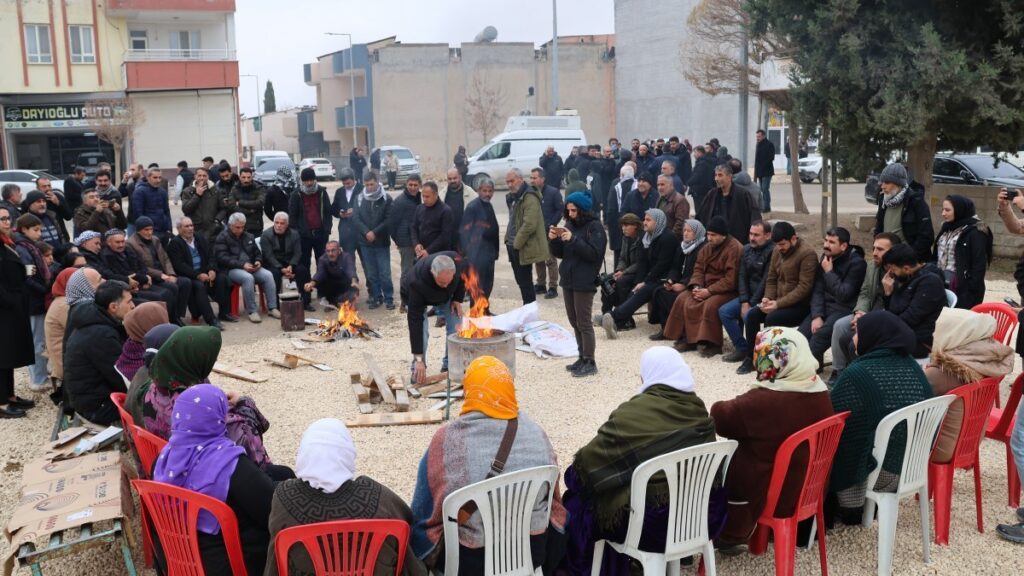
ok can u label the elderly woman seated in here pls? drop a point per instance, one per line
(200, 457)
(136, 324)
(327, 488)
(787, 397)
(664, 416)
(883, 379)
(463, 451)
(963, 351)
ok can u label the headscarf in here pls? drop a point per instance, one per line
(155, 339)
(79, 289)
(964, 213)
(143, 317)
(199, 456)
(784, 363)
(883, 329)
(660, 221)
(187, 358)
(700, 235)
(956, 327)
(489, 389)
(327, 455)
(663, 365)
(60, 284)
(574, 176)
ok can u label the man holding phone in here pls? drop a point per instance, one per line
(97, 215)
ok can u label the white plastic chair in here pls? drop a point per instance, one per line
(950, 299)
(922, 423)
(506, 504)
(690, 473)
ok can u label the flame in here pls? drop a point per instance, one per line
(348, 320)
(479, 308)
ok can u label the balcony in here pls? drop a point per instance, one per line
(180, 74)
(179, 55)
(129, 7)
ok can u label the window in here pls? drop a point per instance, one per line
(37, 44)
(139, 39)
(499, 150)
(80, 40)
(184, 43)
(947, 168)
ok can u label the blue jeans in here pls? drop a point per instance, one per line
(766, 194)
(1017, 441)
(729, 314)
(38, 371)
(450, 324)
(248, 282)
(377, 260)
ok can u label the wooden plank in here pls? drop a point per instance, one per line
(238, 373)
(442, 394)
(396, 419)
(396, 383)
(413, 391)
(378, 376)
(362, 393)
(279, 364)
(435, 388)
(443, 376)
(443, 403)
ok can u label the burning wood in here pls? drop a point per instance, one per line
(348, 325)
(481, 327)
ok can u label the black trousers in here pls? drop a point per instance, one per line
(301, 278)
(524, 276)
(821, 340)
(790, 317)
(160, 293)
(661, 304)
(623, 288)
(6, 384)
(199, 301)
(624, 311)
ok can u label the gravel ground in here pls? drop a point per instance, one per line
(569, 409)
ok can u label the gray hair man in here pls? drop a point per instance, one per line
(435, 280)
(282, 255)
(191, 258)
(237, 256)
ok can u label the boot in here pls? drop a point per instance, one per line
(587, 368)
(572, 367)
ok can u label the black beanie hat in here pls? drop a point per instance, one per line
(718, 225)
(307, 174)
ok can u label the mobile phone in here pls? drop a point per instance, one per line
(1013, 303)
(1011, 194)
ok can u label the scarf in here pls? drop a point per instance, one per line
(131, 360)
(186, 358)
(964, 213)
(144, 317)
(963, 346)
(327, 455)
(699, 235)
(784, 362)
(896, 199)
(155, 338)
(199, 455)
(308, 190)
(79, 289)
(663, 365)
(489, 389)
(660, 221)
(60, 284)
(377, 194)
(7, 240)
(883, 329)
(42, 271)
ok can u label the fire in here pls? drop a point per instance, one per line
(348, 320)
(479, 308)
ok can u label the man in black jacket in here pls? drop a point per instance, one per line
(435, 280)
(726, 200)
(73, 188)
(403, 209)
(282, 255)
(840, 275)
(205, 203)
(90, 353)
(374, 242)
(343, 208)
(310, 214)
(277, 195)
(753, 272)
(764, 168)
(123, 265)
(190, 256)
(902, 210)
(432, 223)
(456, 196)
(702, 179)
(248, 197)
(554, 168)
(914, 291)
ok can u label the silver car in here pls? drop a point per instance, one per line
(408, 163)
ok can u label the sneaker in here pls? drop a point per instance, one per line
(608, 323)
(657, 336)
(587, 368)
(574, 365)
(597, 320)
(255, 318)
(326, 305)
(539, 288)
(735, 356)
(747, 367)
(227, 318)
(373, 304)
(390, 305)
(275, 313)
(1011, 532)
(216, 324)
(551, 293)
(39, 387)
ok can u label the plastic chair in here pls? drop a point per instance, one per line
(236, 297)
(128, 430)
(174, 513)
(950, 299)
(1000, 426)
(922, 421)
(978, 399)
(690, 473)
(822, 439)
(148, 446)
(127, 422)
(342, 547)
(505, 504)
(1006, 319)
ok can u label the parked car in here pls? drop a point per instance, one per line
(322, 167)
(408, 163)
(266, 170)
(260, 155)
(809, 168)
(26, 179)
(970, 169)
(90, 161)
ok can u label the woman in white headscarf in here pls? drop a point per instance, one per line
(787, 396)
(963, 351)
(327, 488)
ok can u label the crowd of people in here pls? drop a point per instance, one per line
(106, 309)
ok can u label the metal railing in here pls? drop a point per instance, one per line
(162, 54)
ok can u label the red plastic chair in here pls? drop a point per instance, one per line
(1006, 319)
(978, 399)
(822, 440)
(148, 446)
(128, 428)
(127, 422)
(174, 513)
(1000, 426)
(342, 547)
(236, 296)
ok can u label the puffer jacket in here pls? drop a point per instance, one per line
(89, 356)
(581, 256)
(249, 201)
(151, 202)
(231, 252)
(372, 216)
(403, 208)
(754, 272)
(837, 291)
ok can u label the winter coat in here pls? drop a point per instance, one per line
(971, 257)
(432, 227)
(915, 221)
(341, 272)
(677, 211)
(743, 182)
(919, 301)
(613, 210)
(457, 201)
(348, 236)
(54, 327)
(656, 260)
(646, 164)
(89, 218)
(152, 202)
(581, 256)
(38, 286)
(181, 257)
(791, 276)
(206, 211)
(12, 209)
(552, 206)
(531, 242)
(702, 179)
(629, 256)
(764, 159)
(602, 172)
(89, 356)
(152, 255)
(420, 290)
(357, 162)
(554, 169)
(122, 265)
(738, 209)
(403, 209)
(684, 165)
(16, 347)
(373, 217)
(637, 205)
(297, 213)
(276, 257)
(276, 200)
(231, 252)
(249, 201)
(870, 297)
(836, 292)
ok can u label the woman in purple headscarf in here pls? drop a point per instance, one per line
(200, 457)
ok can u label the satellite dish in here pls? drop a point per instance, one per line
(488, 34)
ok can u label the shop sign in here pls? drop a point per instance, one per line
(61, 115)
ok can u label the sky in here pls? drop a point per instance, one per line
(274, 42)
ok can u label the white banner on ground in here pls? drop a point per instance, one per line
(549, 339)
(511, 321)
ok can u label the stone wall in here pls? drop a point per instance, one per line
(986, 200)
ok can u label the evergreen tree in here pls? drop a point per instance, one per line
(269, 102)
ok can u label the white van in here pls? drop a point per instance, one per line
(521, 148)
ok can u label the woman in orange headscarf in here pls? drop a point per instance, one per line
(462, 452)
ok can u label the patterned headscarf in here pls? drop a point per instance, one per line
(784, 363)
(489, 389)
(79, 288)
(700, 235)
(187, 358)
(660, 221)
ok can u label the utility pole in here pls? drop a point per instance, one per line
(352, 83)
(554, 56)
(744, 97)
(259, 115)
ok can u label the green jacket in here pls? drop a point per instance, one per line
(531, 238)
(870, 298)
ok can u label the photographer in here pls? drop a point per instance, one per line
(617, 286)
(98, 215)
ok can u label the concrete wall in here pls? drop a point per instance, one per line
(280, 132)
(986, 201)
(185, 125)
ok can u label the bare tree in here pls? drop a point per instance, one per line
(485, 105)
(710, 61)
(114, 121)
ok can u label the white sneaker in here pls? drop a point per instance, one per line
(39, 387)
(275, 313)
(326, 305)
(609, 327)
(597, 320)
(255, 318)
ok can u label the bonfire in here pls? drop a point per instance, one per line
(481, 328)
(348, 325)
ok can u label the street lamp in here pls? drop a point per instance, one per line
(258, 114)
(352, 82)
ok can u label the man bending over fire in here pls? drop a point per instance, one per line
(433, 281)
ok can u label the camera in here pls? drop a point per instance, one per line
(606, 282)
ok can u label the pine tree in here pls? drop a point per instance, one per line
(269, 102)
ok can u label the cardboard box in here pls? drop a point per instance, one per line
(43, 470)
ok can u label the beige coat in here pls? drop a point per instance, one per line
(53, 328)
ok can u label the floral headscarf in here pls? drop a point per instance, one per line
(784, 363)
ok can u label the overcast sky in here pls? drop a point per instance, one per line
(274, 42)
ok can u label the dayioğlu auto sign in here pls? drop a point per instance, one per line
(59, 115)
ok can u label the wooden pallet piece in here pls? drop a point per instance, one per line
(362, 394)
(57, 547)
(378, 376)
(441, 395)
(437, 387)
(278, 363)
(237, 373)
(396, 419)
(394, 381)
